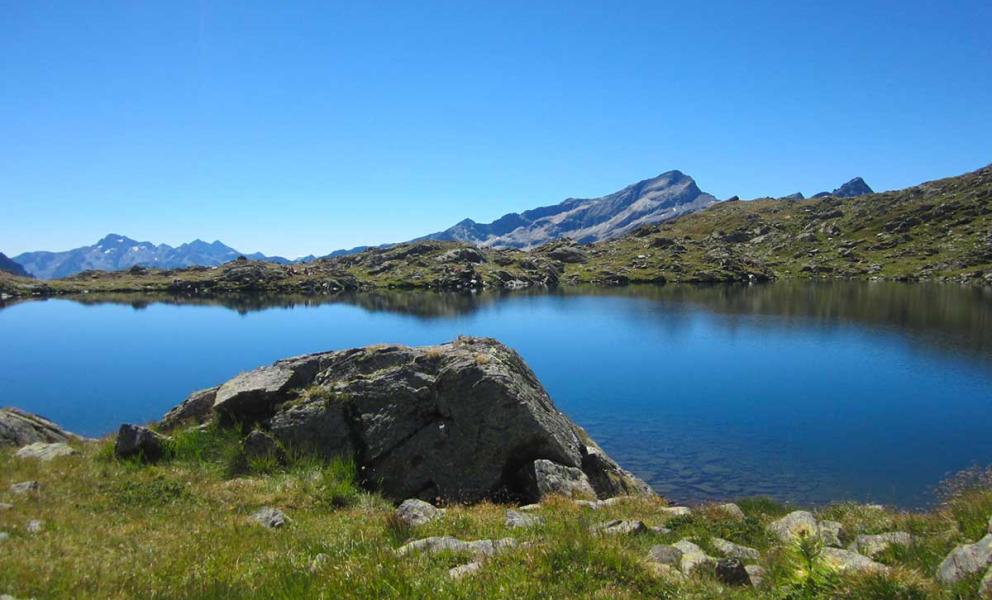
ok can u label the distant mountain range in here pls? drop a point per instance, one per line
(9, 266)
(116, 252)
(584, 220)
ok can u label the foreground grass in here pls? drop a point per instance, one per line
(182, 529)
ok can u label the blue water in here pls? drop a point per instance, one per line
(804, 393)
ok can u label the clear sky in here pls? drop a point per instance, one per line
(297, 127)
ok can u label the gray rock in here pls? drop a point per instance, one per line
(196, 409)
(271, 518)
(731, 510)
(732, 550)
(44, 451)
(26, 487)
(794, 525)
(832, 533)
(414, 512)
(20, 428)
(543, 478)
(436, 544)
(462, 421)
(731, 571)
(756, 575)
(693, 557)
(845, 560)
(5, 506)
(464, 570)
(135, 440)
(4, 536)
(665, 555)
(675, 511)
(258, 445)
(873, 545)
(965, 560)
(530, 507)
(35, 526)
(519, 520)
(620, 527)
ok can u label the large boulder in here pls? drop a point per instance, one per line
(20, 428)
(965, 560)
(141, 442)
(461, 421)
(197, 408)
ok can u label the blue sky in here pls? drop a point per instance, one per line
(296, 128)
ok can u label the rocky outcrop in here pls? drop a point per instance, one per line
(965, 560)
(462, 421)
(45, 452)
(141, 442)
(20, 428)
(197, 408)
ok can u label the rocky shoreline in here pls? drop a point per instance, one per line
(462, 432)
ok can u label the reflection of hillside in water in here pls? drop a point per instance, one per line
(945, 317)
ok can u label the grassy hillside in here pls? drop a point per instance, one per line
(183, 529)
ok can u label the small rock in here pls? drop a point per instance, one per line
(693, 557)
(45, 452)
(965, 560)
(731, 510)
(873, 545)
(990, 525)
(620, 527)
(516, 520)
(414, 512)
(676, 511)
(845, 560)
(544, 478)
(832, 533)
(433, 545)
(755, 574)
(318, 562)
(731, 571)
(593, 504)
(4, 536)
(135, 440)
(259, 444)
(660, 530)
(732, 550)
(35, 526)
(26, 487)
(464, 570)
(5, 506)
(665, 555)
(664, 571)
(793, 525)
(269, 517)
(530, 507)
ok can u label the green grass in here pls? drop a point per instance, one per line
(181, 528)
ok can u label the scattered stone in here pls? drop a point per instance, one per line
(259, 444)
(44, 451)
(414, 512)
(732, 550)
(665, 555)
(731, 510)
(620, 527)
(756, 575)
(731, 571)
(269, 517)
(832, 533)
(26, 487)
(592, 504)
(873, 545)
(845, 560)
(664, 571)
(20, 428)
(660, 530)
(35, 526)
(436, 544)
(135, 440)
(693, 557)
(4, 536)
(544, 478)
(516, 520)
(676, 511)
(5, 506)
(796, 524)
(196, 409)
(965, 560)
(530, 507)
(464, 570)
(318, 562)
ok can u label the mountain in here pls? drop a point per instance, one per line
(9, 266)
(116, 252)
(586, 220)
(854, 187)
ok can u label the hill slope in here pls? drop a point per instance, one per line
(9, 266)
